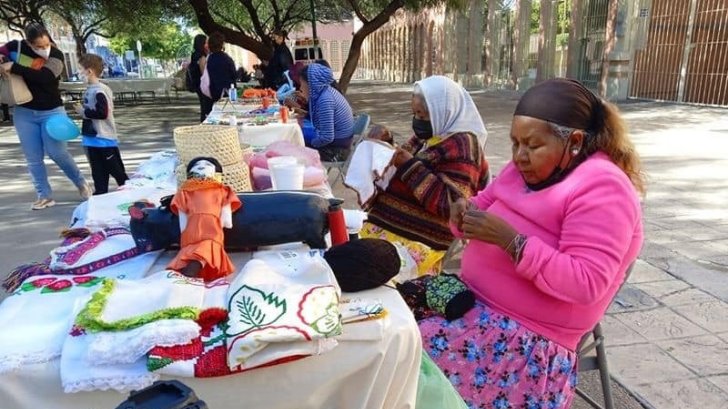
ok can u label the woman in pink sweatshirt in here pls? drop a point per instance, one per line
(550, 241)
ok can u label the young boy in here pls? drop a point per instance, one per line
(99, 130)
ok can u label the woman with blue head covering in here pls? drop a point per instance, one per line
(331, 128)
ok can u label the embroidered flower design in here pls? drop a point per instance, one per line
(42, 282)
(77, 331)
(59, 285)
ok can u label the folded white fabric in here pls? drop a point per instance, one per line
(36, 318)
(368, 169)
(111, 209)
(126, 347)
(78, 374)
(279, 305)
(99, 245)
(124, 305)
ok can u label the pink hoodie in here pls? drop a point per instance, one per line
(583, 233)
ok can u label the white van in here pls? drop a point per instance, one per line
(305, 51)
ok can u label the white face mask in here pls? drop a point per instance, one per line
(83, 77)
(43, 52)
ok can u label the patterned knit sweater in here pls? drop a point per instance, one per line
(416, 204)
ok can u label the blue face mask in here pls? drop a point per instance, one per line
(422, 128)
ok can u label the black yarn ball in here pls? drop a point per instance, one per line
(363, 264)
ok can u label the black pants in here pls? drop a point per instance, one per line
(6, 112)
(205, 105)
(105, 162)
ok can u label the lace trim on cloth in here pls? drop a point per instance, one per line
(10, 363)
(125, 384)
(129, 346)
(90, 316)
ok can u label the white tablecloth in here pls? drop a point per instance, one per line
(375, 365)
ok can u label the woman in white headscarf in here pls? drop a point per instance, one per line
(442, 162)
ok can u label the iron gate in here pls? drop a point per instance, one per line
(684, 55)
(592, 42)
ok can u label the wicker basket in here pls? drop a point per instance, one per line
(235, 176)
(219, 142)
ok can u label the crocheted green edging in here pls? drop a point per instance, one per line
(90, 317)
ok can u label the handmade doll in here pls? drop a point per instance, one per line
(204, 205)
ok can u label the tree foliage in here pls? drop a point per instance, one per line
(248, 23)
(167, 42)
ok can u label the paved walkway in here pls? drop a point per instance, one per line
(667, 333)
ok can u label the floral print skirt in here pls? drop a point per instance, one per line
(496, 363)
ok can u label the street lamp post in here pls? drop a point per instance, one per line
(139, 64)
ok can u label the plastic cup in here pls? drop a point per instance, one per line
(287, 177)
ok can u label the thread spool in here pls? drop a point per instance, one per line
(337, 225)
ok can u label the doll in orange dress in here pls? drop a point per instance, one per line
(204, 205)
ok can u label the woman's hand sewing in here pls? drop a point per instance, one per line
(458, 209)
(487, 227)
(401, 157)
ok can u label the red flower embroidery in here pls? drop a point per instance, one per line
(42, 282)
(58, 286)
(83, 279)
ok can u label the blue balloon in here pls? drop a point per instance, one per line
(61, 127)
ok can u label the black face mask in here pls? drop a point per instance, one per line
(556, 175)
(422, 128)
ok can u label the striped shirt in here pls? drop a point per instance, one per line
(330, 112)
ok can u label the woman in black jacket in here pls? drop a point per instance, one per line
(221, 70)
(281, 61)
(195, 69)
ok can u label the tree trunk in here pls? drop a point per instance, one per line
(546, 42)
(575, 34)
(80, 44)
(352, 59)
(522, 42)
(208, 24)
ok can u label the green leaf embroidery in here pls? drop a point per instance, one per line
(91, 283)
(28, 287)
(255, 309)
(46, 290)
(154, 364)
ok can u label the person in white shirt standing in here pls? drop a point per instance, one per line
(100, 140)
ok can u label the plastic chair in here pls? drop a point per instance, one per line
(361, 124)
(597, 362)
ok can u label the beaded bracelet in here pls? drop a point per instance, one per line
(520, 243)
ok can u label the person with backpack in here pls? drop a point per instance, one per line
(195, 70)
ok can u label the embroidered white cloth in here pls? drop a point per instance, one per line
(36, 318)
(368, 169)
(123, 305)
(157, 171)
(78, 374)
(269, 305)
(97, 246)
(126, 347)
(111, 209)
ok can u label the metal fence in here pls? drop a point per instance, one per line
(682, 54)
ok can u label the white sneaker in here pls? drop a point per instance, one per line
(85, 191)
(42, 204)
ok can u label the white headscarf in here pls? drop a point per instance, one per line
(451, 108)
